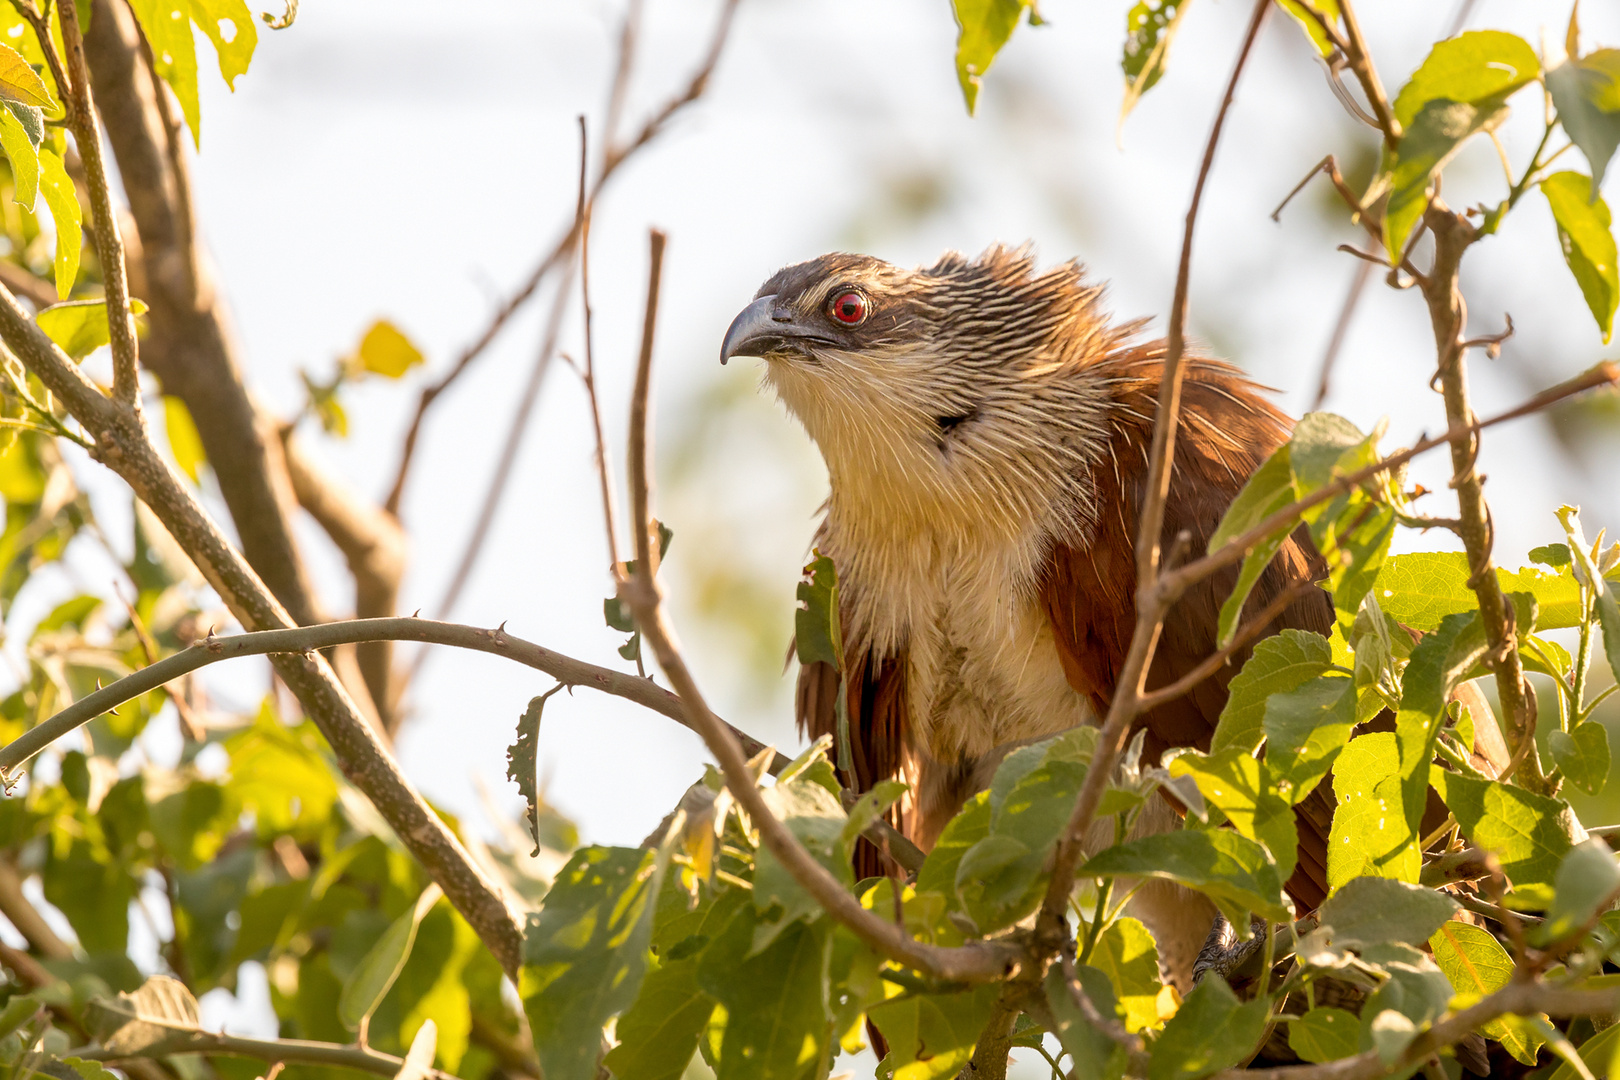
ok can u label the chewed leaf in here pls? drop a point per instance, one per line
(20, 83)
(1587, 240)
(167, 24)
(229, 25)
(815, 622)
(522, 764)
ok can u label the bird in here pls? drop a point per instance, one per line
(986, 426)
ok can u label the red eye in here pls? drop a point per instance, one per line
(848, 308)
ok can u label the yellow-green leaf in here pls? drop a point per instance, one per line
(1328, 9)
(184, 442)
(63, 200)
(1585, 235)
(1586, 93)
(79, 327)
(23, 153)
(386, 351)
(229, 25)
(167, 24)
(20, 83)
(984, 27)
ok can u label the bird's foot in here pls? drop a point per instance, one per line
(1235, 961)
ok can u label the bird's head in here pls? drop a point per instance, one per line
(921, 381)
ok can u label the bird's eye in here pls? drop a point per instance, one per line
(848, 308)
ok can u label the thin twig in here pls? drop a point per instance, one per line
(109, 242)
(296, 1051)
(1218, 659)
(975, 962)
(563, 249)
(1151, 607)
(1341, 331)
(604, 470)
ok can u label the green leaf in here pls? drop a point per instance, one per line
(1586, 93)
(1418, 992)
(1095, 1055)
(229, 25)
(79, 327)
(1150, 26)
(1420, 589)
(1000, 879)
(1243, 789)
(63, 200)
(184, 441)
(815, 621)
(1608, 608)
(931, 1036)
(1439, 662)
(1125, 952)
(167, 24)
(585, 954)
(1524, 829)
(816, 818)
(1369, 834)
(777, 1012)
(1374, 910)
(366, 986)
(1231, 870)
(983, 28)
(1583, 755)
(1461, 89)
(1475, 963)
(659, 1032)
(1588, 877)
(1553, 555)
(970, 825)
(1279, 664)
(1211, 1031)
(523, 765)
(1306, 728)
(1587, 240)
(20, 83)
(1270, 489)
(22, 150)
(1325, 1034)
(385, 350)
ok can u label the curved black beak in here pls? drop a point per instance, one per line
(762, 327)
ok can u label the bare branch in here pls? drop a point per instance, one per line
(1341, 330)
(604, 470)
(109, 245)
(977, 962)
(563, 249)
(1360, 62)
(293, 1051)
(1151, 607)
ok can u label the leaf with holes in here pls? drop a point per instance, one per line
(815, 622)
(523, 764)
(229, 25)
(1150, 26)
(1587, 241)
(1369, 835)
